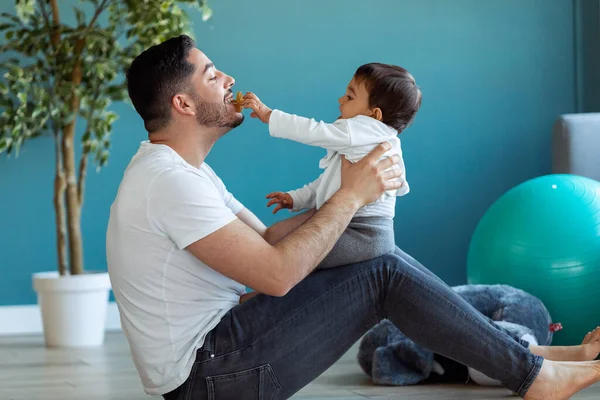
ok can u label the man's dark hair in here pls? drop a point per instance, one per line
(392, 89)
(156, 75)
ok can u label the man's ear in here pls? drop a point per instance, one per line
(377, 114)
(182, 103)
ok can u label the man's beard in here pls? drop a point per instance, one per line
(215, 115)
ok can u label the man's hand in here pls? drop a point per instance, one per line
(369, 178)
(283, 200)
(259, 110)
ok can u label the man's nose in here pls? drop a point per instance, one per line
(229, 81)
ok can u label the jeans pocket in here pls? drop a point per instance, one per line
(259, 383)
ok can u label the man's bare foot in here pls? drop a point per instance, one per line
(561, 380)
(588, 349)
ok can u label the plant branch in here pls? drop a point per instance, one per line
(55, 36)
(59, 205)
(84, 154)
(87, 29)
(54, 39)
(99, 10)
(68, 138)
(59, 172)
(82, 174)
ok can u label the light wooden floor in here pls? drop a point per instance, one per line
(29, 371)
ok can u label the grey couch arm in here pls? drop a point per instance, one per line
(576, 145)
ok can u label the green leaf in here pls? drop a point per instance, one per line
(16, 130)
(11, 17)
(79, 15)
(25, 10)
(9, 35)
(5, 143)
(110, 118)
(206, 12)
(36, 113)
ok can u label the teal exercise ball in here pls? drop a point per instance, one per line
(543, 236)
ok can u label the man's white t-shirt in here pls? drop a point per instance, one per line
(168, 300)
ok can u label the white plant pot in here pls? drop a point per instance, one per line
(73, 308)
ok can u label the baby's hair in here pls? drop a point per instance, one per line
(392, 89)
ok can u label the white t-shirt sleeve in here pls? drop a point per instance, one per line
(230, 201)
(186, 206)
(336, 136)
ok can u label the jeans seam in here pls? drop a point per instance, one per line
(210, 389)
(215, 358)
(403, 277)
(529, 380)
(190, 383)
(264, 371)
(268, 370)
(248, 371)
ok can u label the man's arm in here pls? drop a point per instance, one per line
(275, 232)
(239, 252)
(281, 229)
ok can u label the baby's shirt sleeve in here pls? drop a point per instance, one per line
(305, 198)
(336, 136)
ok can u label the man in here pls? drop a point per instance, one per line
(181, 248)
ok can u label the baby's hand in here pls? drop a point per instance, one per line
(259, 110)
(283, 200)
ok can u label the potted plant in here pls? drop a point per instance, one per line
(58, 75)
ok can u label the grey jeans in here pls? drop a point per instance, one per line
(271, 347)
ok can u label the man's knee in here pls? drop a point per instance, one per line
(393, 259)
(390, 263)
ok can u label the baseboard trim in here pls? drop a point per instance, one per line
(22, 320)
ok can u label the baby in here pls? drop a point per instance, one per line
(380, 102)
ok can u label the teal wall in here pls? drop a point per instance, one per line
(495, 75)
(587, 14)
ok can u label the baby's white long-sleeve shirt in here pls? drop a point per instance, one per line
(353, 138)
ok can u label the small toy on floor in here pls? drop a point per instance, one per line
(391, 358)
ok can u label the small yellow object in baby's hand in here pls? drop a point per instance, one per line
(239, 99)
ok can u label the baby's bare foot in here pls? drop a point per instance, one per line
(593, 336)
(591, 344)
(588, 349)
(561, 380)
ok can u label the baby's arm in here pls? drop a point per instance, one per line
(335, 136)
(305, 197)
(300, 199)
(308, 131)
